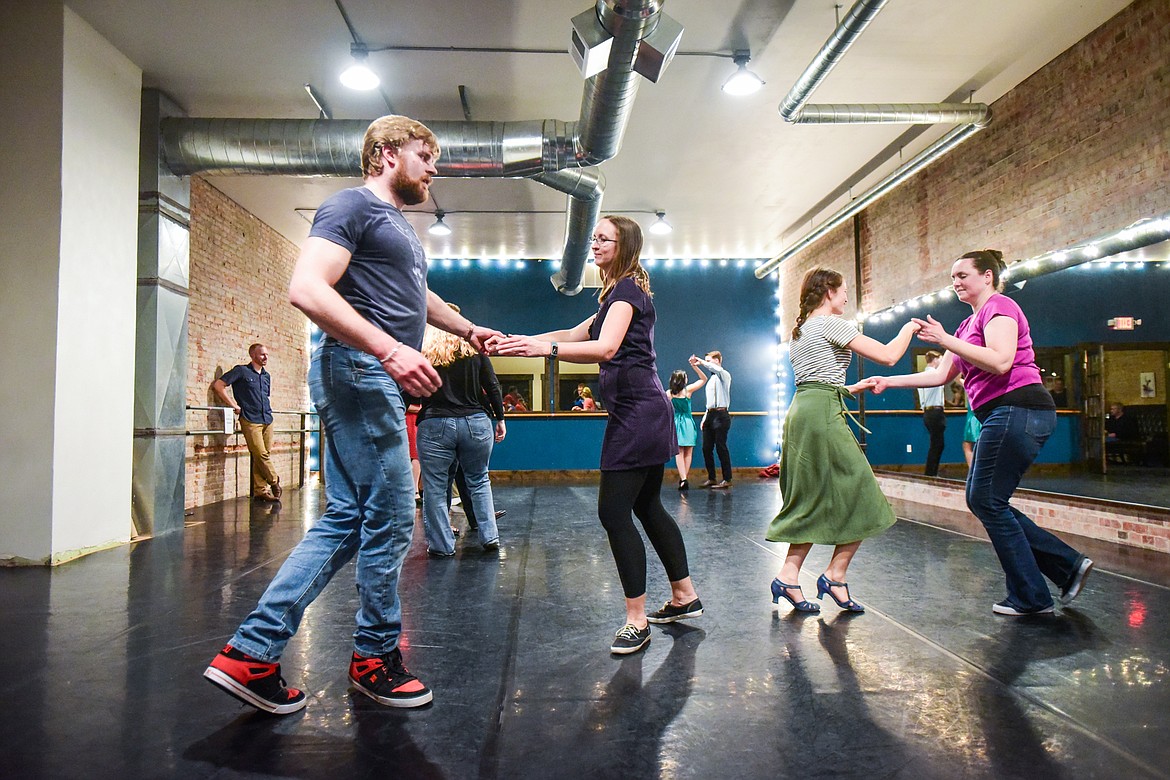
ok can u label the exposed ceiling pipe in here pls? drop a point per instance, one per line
(928, 155)
(894, 113)
(315, 147)
(608, 97)
(795, 108)
(585, 190)
(858, 18)
(633, 37)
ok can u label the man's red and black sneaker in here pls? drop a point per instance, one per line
(253, 682)
(385, 680)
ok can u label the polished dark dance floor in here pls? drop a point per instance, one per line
(102, 661)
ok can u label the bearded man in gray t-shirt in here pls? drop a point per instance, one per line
(361, 277)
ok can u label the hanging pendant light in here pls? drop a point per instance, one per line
(660, 227)
(359, 76)
(743, 81)
(439, 227)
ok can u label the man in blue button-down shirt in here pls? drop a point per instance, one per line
(252, 385)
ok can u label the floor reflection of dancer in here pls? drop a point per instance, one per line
(639, 430)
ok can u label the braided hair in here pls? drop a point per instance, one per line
(986, 260)
(813, 289)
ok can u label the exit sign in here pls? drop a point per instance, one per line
(1123, 323)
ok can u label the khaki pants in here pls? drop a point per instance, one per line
(259, 439)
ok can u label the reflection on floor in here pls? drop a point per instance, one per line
(103, 657)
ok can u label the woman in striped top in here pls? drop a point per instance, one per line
(830, 493)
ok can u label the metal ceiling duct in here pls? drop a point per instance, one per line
(585, 190)
(641, 40)
(856, 20)
(794, 108)
(332, 147)
(894, 113)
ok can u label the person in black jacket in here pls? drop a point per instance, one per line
(454, 427)
(1121, 434)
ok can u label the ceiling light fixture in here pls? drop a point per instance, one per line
(439, 227)
(358, 76)
(743, 81)
(660, 227)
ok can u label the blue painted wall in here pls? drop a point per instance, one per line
(717, 307)
(1063, 309)
(569, 441)
(892, 431)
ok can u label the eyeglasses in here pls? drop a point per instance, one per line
(602, 240)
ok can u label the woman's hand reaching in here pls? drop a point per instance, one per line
(519, 346)
(864, 384)
(930, 329)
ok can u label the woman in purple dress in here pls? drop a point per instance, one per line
(639, 434)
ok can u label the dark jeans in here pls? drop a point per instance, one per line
(1010, 439)
(716, 424)
(936, 425)
(638, 490)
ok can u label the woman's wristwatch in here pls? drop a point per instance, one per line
(553, 352)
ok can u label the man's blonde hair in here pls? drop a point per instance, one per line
(392, 132)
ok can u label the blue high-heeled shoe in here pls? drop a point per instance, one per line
(781, 589)
(825, 585)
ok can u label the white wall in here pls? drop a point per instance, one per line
(68, 244)
(93, 437)
(31, 44)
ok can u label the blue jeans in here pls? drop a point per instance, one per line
(369, 509)
(1010, 439)
(442, 440)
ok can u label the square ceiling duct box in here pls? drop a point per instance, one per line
(590, 44)
(657, 49)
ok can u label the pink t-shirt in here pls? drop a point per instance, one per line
(981, 385)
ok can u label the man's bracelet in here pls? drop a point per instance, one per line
(392, 353)
(470, 330)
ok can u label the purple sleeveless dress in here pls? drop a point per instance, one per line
(640, 428)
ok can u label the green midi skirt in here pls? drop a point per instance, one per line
(830, 493)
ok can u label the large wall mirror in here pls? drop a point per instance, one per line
(1102, 336)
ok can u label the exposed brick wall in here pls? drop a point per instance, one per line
(1123, 369)
(240, 269)
(833, 251)
(1080, 148)
(1134, 526)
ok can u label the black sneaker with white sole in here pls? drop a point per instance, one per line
(1073, 589)
(253, 682)
(630, 639)
(386, 680)
(670, 613)
(1004, 608)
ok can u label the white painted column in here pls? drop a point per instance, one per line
(68, 245)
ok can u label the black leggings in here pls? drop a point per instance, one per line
(637, 490)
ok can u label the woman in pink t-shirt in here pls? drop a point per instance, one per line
(992, 349)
